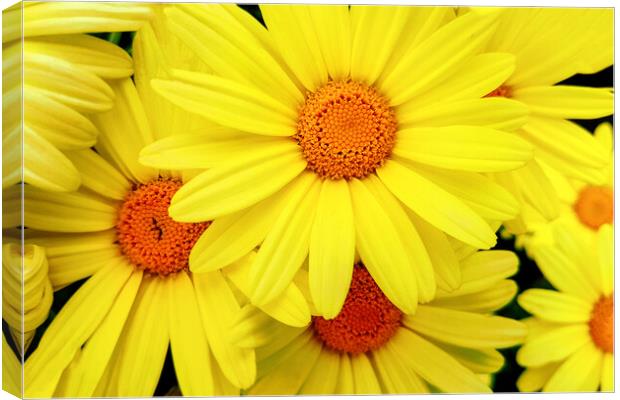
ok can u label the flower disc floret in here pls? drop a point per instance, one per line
(346, 129)
(367, 319)
(602, 324)
(148, 237)
(595, 206)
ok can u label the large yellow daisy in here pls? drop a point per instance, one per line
(345, 130)
(63, 81)
(373, 347)
(570, 345)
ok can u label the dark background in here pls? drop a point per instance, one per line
(529, 275)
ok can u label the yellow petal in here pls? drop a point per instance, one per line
(98, 175)
(61, 18)
(188, 341)
(75, 323)
(67, 212)
(466, 329)
(381, 248)
(211, 149)
(232, 48)
(607, 373)
(375, 32)
(436, 206)
(492, 112)
(464, 148)
(58, 123)
(554, 345)
(436, 366)
(533, 379)
(295, 36)
(364, 377)
(66, 83)
(290, 307)
(229, 103)
(395, 375)
(144, 343)
(345, 383)
(571, 102)
(478, 76)
(11, 368)
(553, 306)
(228, 238)
(286, 246)
(82, 378)
(580, 373)
(323, 378)
(483, 302)
(333, 30)
(288, 369)
(411, 239)
(88, 52)
(480, 361)
(443, 257)
(46, 167)
(114, 144)
(219, 308)
(438, 56)
(490, 200)
(332, 248)
(221, 191)
(605, 258)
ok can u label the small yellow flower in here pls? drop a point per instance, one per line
(569, 347)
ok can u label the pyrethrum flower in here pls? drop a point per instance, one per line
(64, 80)
(570, 345)
(345, 130)
(372, 347)
(581, 43)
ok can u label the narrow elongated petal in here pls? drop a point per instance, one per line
(381, 248)
(333, 29)
(571, 102)
(98, 175)
(436, 366)
(286, 245)
(580, 373)
(555, 306)
(364, 377)
(332, 248)
(221, 191)
(324, 376)
(555, 345)
(474, 330)
(465, 148)
(436, 206)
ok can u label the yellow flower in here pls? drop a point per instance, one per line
(65, 75)
(373, 347)
(345, 130)
(569, 347)
(25, 275)
(575, 35)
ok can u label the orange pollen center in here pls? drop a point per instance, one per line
(346, 129)
(148, 237)
(602, 324)
(502, 91)
(367, 319)
(595, 206)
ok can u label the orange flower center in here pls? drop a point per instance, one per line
(602, 324)
(595, 206)
(148, 237)
(502, 91)
(345, 130)
(367, 319)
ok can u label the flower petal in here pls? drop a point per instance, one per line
(570, 102)
(553, 306)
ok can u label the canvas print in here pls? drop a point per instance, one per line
(290, 199)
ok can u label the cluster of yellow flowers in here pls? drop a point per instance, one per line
(306, 204)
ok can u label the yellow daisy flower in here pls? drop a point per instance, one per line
(25, 274)
(339, 125)
(64, 80)
(373, 347)
(569, 347)
(111, 337)
(573, 34)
